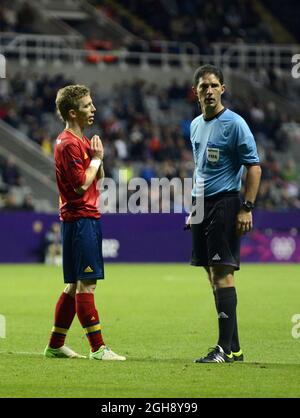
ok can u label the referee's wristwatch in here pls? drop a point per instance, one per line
(248, 206)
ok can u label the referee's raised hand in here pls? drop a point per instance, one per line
(97, 147)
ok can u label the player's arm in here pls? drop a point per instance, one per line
(95, 165)
(252, 181)
(100, 173)
(248, 157)
(188, 221)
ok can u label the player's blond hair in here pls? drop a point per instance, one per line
(67, 99)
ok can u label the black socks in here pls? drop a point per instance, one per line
(226, 302)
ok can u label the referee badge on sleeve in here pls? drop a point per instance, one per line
(213, 155)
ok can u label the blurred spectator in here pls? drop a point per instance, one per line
(14, 193)
(10, 172)
(145, 131)
(148, 171)
(28, 203)
(8, 18)
(47, 145)
(25, 18)
(53, 246)
(193, 21)
(17, 17)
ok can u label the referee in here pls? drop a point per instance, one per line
(222, 145)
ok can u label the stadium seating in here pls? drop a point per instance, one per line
(190, 21)
(14, 193)
(144, 125)
(142, 122)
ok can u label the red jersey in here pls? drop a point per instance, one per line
(72, 157)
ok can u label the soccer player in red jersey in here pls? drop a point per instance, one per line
(78, 164)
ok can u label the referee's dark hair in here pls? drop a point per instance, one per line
(208, 69)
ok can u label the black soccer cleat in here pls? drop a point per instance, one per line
(216, 355)
(238, 356)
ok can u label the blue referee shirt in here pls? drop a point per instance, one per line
(221, 147)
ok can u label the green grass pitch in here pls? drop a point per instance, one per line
(161, 317)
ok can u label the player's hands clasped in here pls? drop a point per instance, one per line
(97, 150)
(244, 222)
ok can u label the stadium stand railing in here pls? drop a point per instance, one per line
(152, 140)
(252, 56)
(58, 49)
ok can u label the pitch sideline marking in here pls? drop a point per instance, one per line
(21, 353)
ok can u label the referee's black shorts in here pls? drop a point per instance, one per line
(215, 239)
